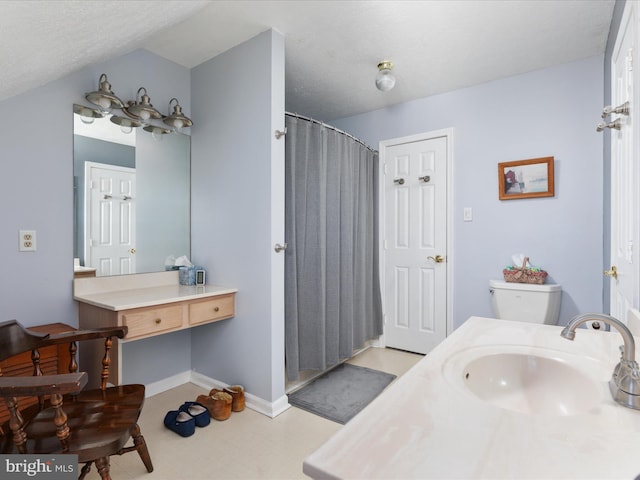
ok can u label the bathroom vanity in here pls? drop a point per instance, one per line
(496, 399)
(148, 305)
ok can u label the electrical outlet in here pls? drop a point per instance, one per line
(27, 240)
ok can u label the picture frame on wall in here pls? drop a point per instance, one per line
(526, 179)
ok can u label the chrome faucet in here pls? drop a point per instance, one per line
(625, 381)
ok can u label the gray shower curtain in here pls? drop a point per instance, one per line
(332, 288)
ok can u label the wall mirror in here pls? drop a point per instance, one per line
(132, 195)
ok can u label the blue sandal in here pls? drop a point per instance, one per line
(180, 422)
(198, 411)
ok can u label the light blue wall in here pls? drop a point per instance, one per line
(239, 94)
(37, 179)
(550, 112)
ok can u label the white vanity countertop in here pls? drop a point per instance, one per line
(425, 427)
(141, 290)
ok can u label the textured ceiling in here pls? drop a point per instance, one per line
(332, 47)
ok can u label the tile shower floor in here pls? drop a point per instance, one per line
(248, 445)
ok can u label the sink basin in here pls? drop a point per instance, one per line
(529, 381)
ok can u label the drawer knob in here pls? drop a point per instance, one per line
(215, 309)
(158, 320)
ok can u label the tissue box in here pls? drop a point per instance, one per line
(187, 275)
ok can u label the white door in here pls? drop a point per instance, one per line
(415, 243)
(625, 213)
(111, 218)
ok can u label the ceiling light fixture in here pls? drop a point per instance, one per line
(104, 97)
(385, 80)
(177, 119)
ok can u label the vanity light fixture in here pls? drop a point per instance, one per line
(156, 132)
(385, 80)
(177, 119)
(126, 124)
(87, 114)
(142, 107)
(104, 97)
(139, 112)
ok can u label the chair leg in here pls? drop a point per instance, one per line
(141, 447)
(102, 464)
(85, 470)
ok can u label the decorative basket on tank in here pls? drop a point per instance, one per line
(524, 274)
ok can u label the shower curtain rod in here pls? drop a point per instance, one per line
(309, 119)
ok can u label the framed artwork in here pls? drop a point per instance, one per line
(526, 179)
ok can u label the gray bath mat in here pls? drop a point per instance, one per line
(342, 392)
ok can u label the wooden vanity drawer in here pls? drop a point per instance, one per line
(149, 321)
(217, 308)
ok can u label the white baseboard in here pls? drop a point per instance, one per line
(165, 384)
(270, 409)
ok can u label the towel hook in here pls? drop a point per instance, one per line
(279, 248)
(616, 125)
(620, 110)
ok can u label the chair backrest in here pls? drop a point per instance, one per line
(15, 339)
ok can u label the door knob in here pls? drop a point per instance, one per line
(612, 273)
(132, 250)
(398, 181)
(437, 258)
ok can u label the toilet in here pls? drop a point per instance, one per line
(526, 302)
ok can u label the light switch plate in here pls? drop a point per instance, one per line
(468, 214)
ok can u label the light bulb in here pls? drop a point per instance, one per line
(385, 80)
(104, 103)
(178, 123)
(126, 129)
(144, 115)
(87, 120)
(156, 135)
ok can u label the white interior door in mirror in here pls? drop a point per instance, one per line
(110, 207)
(625, 215)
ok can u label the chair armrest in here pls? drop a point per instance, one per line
(42, 385)
(91, 334)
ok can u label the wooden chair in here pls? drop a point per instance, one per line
(93, 424)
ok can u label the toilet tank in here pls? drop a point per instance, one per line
(526, 302)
